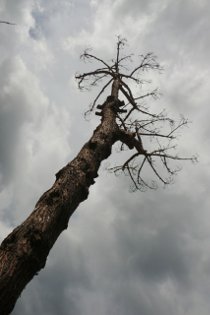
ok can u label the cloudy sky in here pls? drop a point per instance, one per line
(124, 253)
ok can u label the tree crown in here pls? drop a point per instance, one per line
(136, 122)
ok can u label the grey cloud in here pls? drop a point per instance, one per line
(123, 256)
(180, 29)
(143, 253)
(25, 116)
(35, 32)
(13, 113)
(136, 9)
(160, 248)
(70, 282)
(53, 19)
(164, 256)
(14, 10)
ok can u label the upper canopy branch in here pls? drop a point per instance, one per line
(117, 70)
(137, 123)
(148, 62)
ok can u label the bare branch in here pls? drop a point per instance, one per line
(139, 123)
(183, 122)
(100, 93)
(98, 73)
(154, 94)
(86, 55)
(6, 22)
(155, 171)
(148, 62)
(153, 134)
(126, 164)
(140, 168)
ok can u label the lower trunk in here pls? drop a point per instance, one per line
(24, 252)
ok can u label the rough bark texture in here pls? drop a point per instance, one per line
(24, 252)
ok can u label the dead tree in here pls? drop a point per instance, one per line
(24, 251)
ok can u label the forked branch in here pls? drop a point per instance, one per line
(136, 122)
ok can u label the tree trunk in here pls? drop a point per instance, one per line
(24, 251)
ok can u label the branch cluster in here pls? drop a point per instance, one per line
(137, 124)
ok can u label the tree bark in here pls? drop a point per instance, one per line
(24, 251)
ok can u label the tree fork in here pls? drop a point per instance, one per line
(24, 251)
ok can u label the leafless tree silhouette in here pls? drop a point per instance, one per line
(128, 121)
(136, 122)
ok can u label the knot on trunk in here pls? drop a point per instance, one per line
(113, 103)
